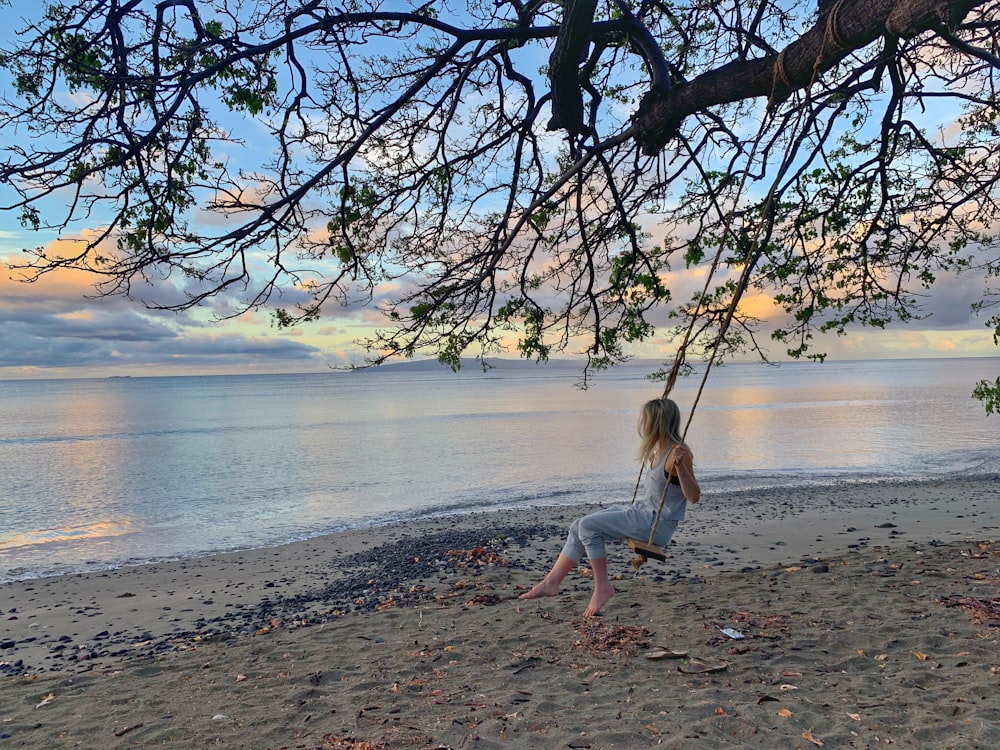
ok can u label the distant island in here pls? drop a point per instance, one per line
(474, 365)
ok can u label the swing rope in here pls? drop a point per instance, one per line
(753, 253)
(650, 549)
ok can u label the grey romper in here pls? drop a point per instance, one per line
(591, 532)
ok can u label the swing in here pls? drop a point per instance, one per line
(646, 549)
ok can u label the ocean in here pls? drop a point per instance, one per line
(100, 473)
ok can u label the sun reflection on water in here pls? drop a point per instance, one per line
(78, 535)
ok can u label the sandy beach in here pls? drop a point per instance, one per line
(854, 616)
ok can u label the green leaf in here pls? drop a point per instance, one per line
(989, 394)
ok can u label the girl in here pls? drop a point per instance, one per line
(663, 453)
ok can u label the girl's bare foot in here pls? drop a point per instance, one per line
(598, 600)
(540, 589)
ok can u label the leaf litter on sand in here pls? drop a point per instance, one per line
(766, 625)
(985, 610)
(478, 557)
(333, 742)
(983, 550)
(808, 735)
(47, 699)
(598, 638)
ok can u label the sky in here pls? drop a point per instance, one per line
(56, 328)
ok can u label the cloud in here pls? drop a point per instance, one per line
(948, 303)
(50, 327)
(55, 327)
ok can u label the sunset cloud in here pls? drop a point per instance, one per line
(54, 327)
(58, 327)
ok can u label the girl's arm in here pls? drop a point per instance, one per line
(684, 469)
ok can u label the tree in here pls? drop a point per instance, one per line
(503, 162)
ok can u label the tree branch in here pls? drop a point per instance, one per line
(848, 26)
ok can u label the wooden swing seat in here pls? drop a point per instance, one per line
(647, 549)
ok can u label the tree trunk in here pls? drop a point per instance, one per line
(564, 65)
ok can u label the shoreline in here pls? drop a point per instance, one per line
(412, 635)
(823, 498)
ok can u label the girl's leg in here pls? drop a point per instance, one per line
(572, 551)
(595, 530)
(603, 590)
(549, 586)
(590, 533)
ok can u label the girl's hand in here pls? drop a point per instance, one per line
(683, 461)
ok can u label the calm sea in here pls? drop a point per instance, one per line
(97, 473)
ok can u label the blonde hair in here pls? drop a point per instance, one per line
(659, 424)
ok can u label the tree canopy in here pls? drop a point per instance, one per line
(495, 170)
